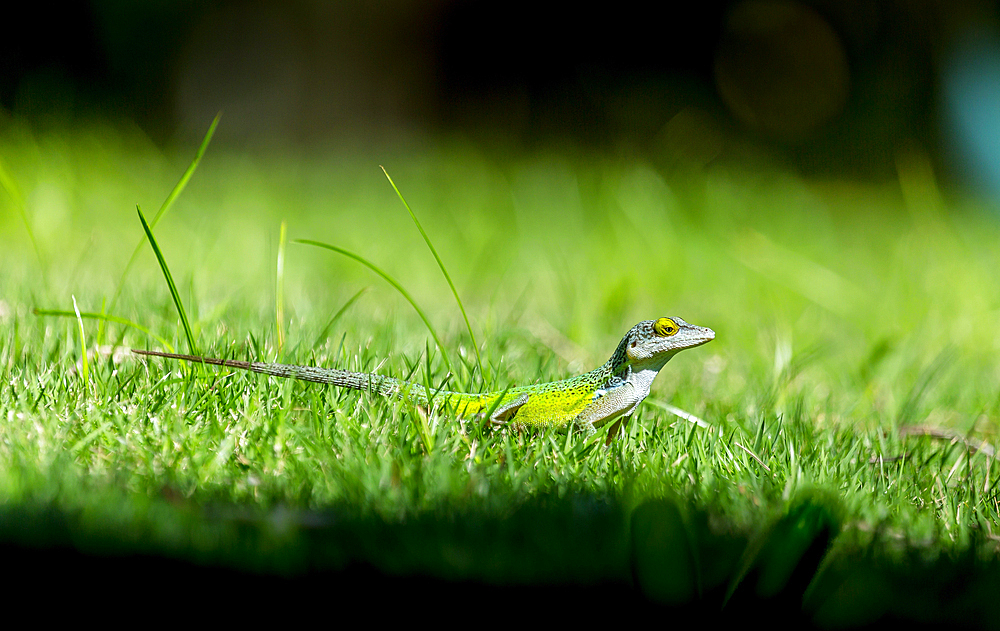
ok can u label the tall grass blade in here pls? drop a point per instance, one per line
(106, 318)
(279, 292)
(927, 379)
(167, 203)
(392, 281)
(85, 370)
(170, 282)
(444, 270)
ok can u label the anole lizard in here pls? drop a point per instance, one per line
(608, 393)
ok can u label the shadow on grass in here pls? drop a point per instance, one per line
(573, 559)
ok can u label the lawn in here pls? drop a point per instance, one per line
(850, 397)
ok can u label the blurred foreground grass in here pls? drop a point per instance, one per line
(855, 369)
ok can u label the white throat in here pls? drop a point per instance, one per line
(642, 376)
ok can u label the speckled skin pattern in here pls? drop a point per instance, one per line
(589, 400)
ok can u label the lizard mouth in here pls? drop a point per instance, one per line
(705, 336)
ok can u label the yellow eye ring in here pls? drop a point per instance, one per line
(665, 327)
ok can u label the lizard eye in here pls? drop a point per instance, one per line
(665, 327)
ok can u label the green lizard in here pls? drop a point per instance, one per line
(608, 393)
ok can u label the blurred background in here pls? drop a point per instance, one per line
(822, 86)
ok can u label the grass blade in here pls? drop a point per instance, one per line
(444, 270)
(279, 292)
(679, 413)
(347, 305)
(167, 203)
(170, 282)
(89, 438)
(392, 281)
(106, 318)
(83, 346)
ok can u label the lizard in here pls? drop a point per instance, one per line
(611, 392)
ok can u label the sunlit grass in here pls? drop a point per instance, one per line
(857, 356)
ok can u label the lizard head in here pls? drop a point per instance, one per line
(656, 341)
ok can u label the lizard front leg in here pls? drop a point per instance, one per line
(618, 427)
(609, 406)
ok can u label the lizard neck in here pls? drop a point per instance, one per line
(642, 377)
(618, 364)
(621, 369)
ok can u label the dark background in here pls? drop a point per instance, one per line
(827, 87)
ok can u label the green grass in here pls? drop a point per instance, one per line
(856, 361)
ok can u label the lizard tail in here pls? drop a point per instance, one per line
(385, 386)
(366, 382)
(231, 363)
